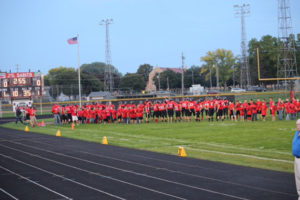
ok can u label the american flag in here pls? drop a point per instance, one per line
(73, 40)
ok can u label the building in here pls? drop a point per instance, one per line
(150, 84)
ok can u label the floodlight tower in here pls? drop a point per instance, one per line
(108, 77)
(243, 11)
(182, 75)
(286, 62)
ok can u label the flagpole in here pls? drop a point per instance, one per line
(79, 85)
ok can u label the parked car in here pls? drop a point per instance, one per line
(213, 92)
(256, 89)
(237, 90)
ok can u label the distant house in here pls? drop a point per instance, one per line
(99, 95)
(150, 84)
(62, 97)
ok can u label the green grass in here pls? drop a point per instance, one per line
(260, 144)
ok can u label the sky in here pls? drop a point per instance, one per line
(34, 33)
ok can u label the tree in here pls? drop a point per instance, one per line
(97, 69)
(133, 81)
(193, 76)
(145, 70)
(268, 52)
(64, 79)
(167, 79)
(220, 62)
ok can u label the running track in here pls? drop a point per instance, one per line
(36, 166)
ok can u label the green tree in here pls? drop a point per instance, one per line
(219, 62)
(193, 76)
(167, 78)
(132, 81)
(268, 52)
(145, 70)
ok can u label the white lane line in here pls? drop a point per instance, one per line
(62, 177)
(95, 173)
(238, 154)
(135, 173)
(31, 181)
(184, 173)
(15, 198)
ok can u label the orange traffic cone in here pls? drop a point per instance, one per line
(73, 126)
(104, 140)
(181, 152)
(43, 123)
(58, 133)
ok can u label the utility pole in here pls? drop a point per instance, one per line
(192, 76)
(108, 77)
(243, 11)
(17, 68)
(182, 75)
(286, 60)
(217, 75)
(168, 83)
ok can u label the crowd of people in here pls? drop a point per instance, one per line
(187, 110)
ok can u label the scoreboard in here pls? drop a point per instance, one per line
(21, 85)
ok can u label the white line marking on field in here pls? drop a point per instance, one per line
(60, 176)
(8, 194)
(90, 172)
(238, 154)
(123, 170)
(31, 181)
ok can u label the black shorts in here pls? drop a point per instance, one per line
(183, 111)
(259, 112)
(177, 113)
(156, 113)
(148, 115)
(119, 117)
(192, 112)
(64, 117)
(220, 113)
(187, 112)
(163, 113)
(206, 112)
(170, 113)
(211, 112)
(238, 113)
(198, 113)
(70, 116)
(27, 117)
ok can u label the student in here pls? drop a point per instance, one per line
(19, 115)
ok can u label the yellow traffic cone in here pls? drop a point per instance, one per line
(104, 140)
(58, 133)
(181, 152)
(26, 129)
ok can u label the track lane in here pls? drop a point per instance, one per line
(160, 161)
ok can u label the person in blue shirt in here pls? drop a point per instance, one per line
(296, 153)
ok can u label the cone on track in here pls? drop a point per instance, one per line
(104, 140)
(73, 126)
(43, 123)
(26, 129)
(181, 152)
(58, 133)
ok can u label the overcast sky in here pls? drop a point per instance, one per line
(34, 33)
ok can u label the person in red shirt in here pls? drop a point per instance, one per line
(56, 114)
(32, 113)
(264, 109)
(170, 108)
(177, 108)
(74, 115)
(211, 110)
(273, 111)
(242, 112)
(140, 113)
(148, 107)
(280, 108)
(156, 112)
(163, 111)
(232, 111)
(258, 104)
(254, 111)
